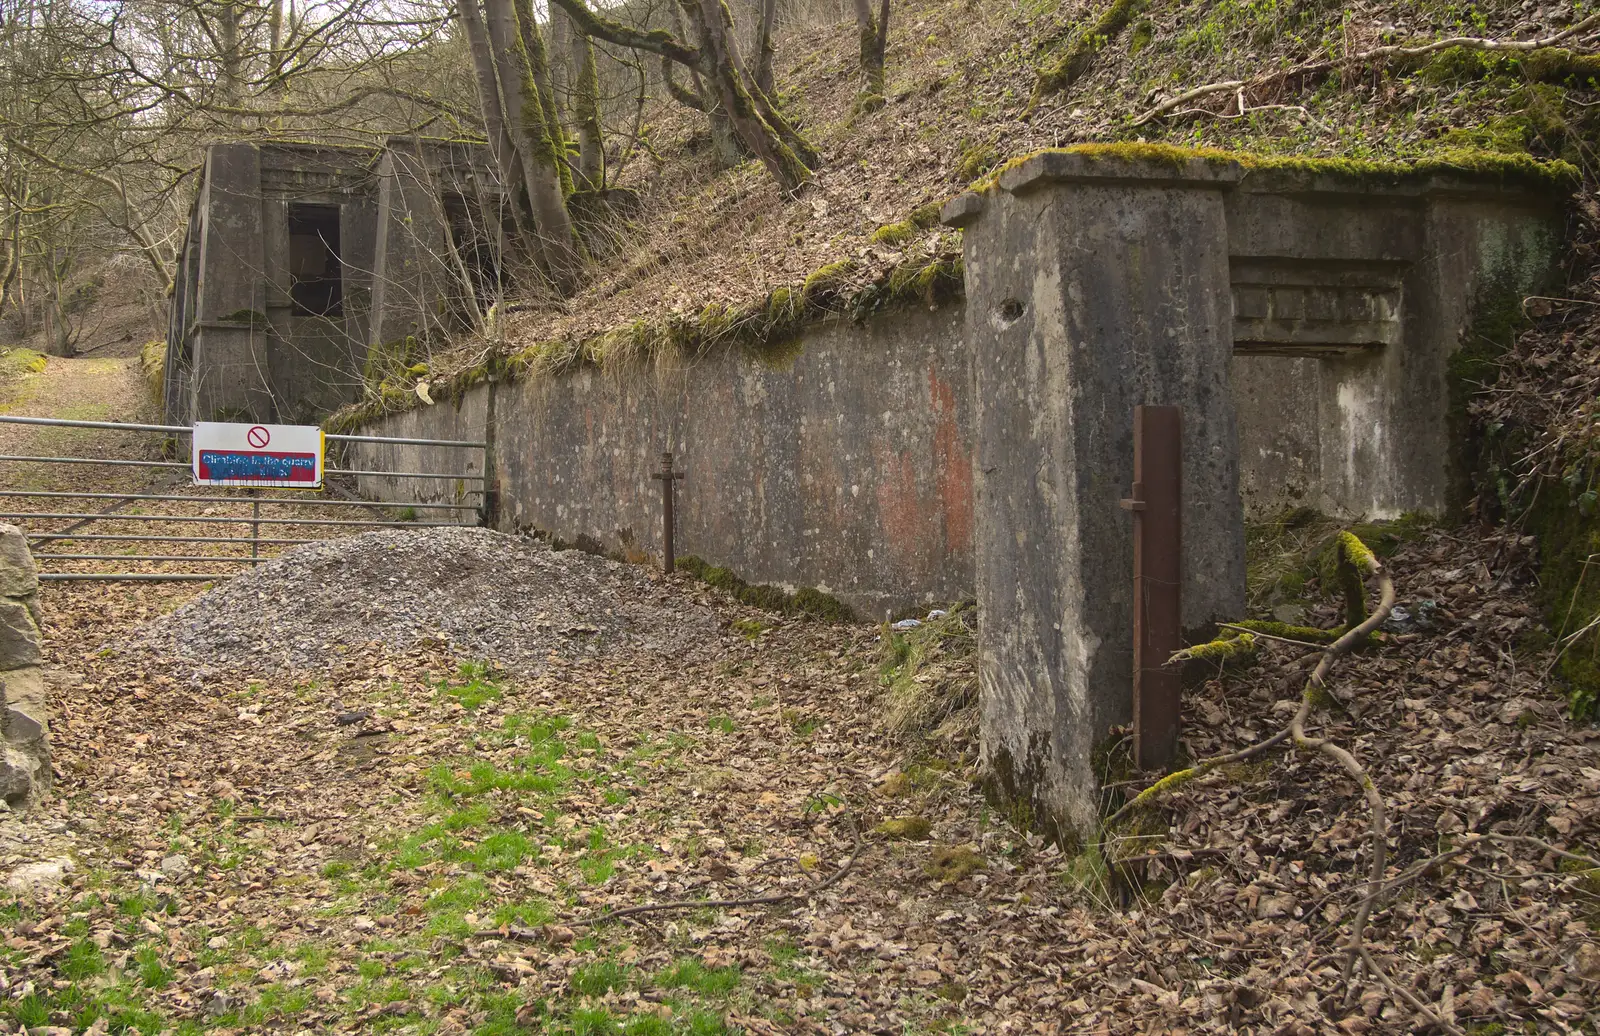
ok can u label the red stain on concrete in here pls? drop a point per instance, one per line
(901, 512)
(952, 467)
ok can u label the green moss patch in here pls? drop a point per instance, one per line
(807, 601)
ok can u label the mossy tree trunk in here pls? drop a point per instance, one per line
(525, 121)
(533, 45)
(724, 141)
(873, 32)
(757, 125)
(764, 50)
(586, 112)
(501, 147)
(747, 109)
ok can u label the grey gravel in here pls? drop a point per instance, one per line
(485, 595)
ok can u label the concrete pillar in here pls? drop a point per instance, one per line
(1094, 283)
(231, 379)
(411, 279)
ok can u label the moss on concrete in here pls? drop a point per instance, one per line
(806, 601)
(1503, 168)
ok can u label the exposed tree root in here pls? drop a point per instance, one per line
(1240, 87)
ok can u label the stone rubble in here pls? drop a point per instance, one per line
(25, 773)
(488, 596)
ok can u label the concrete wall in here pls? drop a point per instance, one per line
(848, 468)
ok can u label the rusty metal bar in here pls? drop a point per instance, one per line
(462, 443)
(1157, 506)
(99, 460)
(667, 477)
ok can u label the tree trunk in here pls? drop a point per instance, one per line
(764, 51)
(586, 112)
(501, 147)
(539, 66)
(720, 64)
(525, 121)
(873, 33)
(230, 74)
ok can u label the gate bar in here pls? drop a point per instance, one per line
(245, 520)
(302, 502)
(178, 429)
(167, 539)
(463, 443)
(61, 422)
(186, 466)
(133, 577)
(146, 557)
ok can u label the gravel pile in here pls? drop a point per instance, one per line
(486, 595)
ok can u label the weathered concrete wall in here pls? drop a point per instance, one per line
(1351, 295)
(847, 468)
(24, 718)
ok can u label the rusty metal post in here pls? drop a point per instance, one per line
(1157, 506)
(255, 527)
(667, 477)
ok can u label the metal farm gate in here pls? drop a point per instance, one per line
(91, 514)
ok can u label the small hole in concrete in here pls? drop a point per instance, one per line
(1010, 310)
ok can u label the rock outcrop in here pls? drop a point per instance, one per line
(24, 715)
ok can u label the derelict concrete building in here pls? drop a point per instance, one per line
(301, 259)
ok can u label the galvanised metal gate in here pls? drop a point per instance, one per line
(77, 528)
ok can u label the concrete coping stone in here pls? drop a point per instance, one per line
(962, 210)
(1439, 183)
(1074, 167)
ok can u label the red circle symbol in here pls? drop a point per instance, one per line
(258, 436)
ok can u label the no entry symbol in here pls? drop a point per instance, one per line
(258, 437)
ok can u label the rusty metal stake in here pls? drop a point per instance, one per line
(1157, 506)
(255, 527)
(667, 477)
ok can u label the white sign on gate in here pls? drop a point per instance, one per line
(281, 456)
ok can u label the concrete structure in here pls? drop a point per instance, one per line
(848, 469)
(1305, 320)
(1097, 281)
(24, 715)
(302, 259)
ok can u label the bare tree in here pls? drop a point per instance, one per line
(787, 156)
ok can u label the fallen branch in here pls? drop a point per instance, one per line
(1387, 53)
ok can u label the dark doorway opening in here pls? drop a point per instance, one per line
(316, 275)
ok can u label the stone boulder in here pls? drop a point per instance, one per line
(24, 709)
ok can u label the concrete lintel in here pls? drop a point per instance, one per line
(1109, 168)
(962, 210)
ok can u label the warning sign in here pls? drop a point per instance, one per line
(283, 456)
